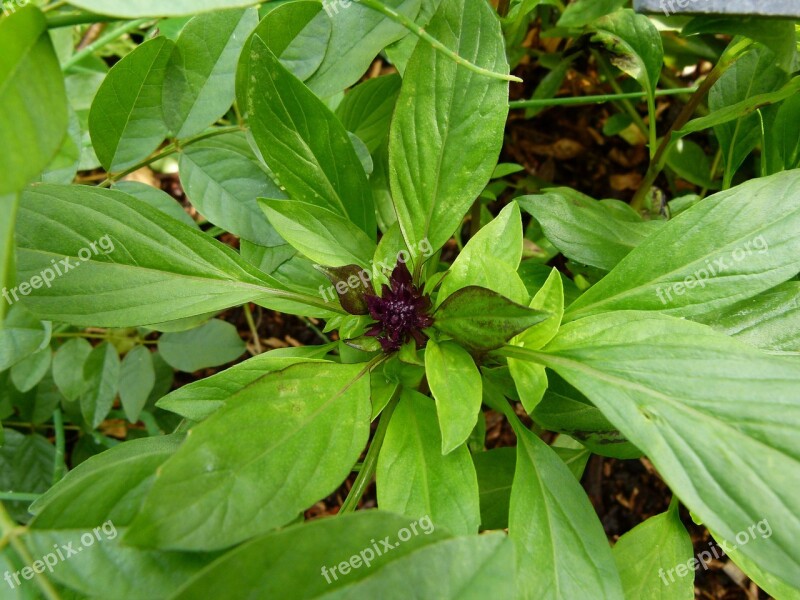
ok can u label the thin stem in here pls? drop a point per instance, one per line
(103, 40)
(80, 18)
(59, 467)
(10, 532)
(367, 470)
(248, 314)
(54, 6)
(34, 426)
(436, 44)
(612, 81)
(18, 497)
(599, 99)
(316, 330)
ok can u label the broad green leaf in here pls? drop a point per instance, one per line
(690, 162)
(784, 143)
(121, 572)
(583, 12)
(27, 374)
(753, 74)
(157, 199)
(636, 42)
(495, 470)
(447, 130)
(566, 410)
(254, 465)
(34, 118)
(367, 109)
(26, 466)
(729, 247)
(199, 85)
(41, 402)
(126, 121)
(585, 230)
(20, 336)
(465, 568)
(101, 372)
(358, 35)
(770, 320)
(298, 34)
(108, 486)
(292, 563)
(175, 270)
(648, 555)
(491, 259)
(556, 530)
(223, 178)
(303, 143)
(137, 378)
(721, 431)
(320, 234)
(455, 383)
(152, 8)
(414, 478)
(481, 320)
(200, 399)
(68, 364)
(212, 344)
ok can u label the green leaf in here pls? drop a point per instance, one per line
(358, 35)
(445, 488)
(125, 122)
(751, 75)
(199, 85)
(223, 178)
(27, 374)
(26, 466)
(108, 486)
(20, 336)
(495, 470)
(455, 383)
(637, 44)
(254, 465)
(289, 563)
(42, 402)
(34, 118)
(157, 199)
(136, 380)
(200, 399)
(302, 142)
(491, 259)
(585, 230)
(447, 130)
(783, 142)
(556, 530)
(720, 431)
(481, 320)
(770, 320)
(101, 372)
(150, 8)
(690, 162)
(729, 247)
(648, 555)
(214, 343)
(9, 205)
(322, 235)
(176, 270)
(367, 109)
(583, 12)
(68, 364)
(66, 163)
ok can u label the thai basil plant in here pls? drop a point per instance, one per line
(669, 330)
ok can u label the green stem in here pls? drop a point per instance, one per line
(18, 497)
(248, 315)
(316, 330)
(103, 40)
(599, 99)
(174, 147)
(10, 532)
(80, 18)
(605, 67)
(436, 44)
(367, 470)
(59, 467)
(9, 205)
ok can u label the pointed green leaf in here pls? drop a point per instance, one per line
(136, 380)
(101, 372)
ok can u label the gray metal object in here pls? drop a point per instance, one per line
(755, 8)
